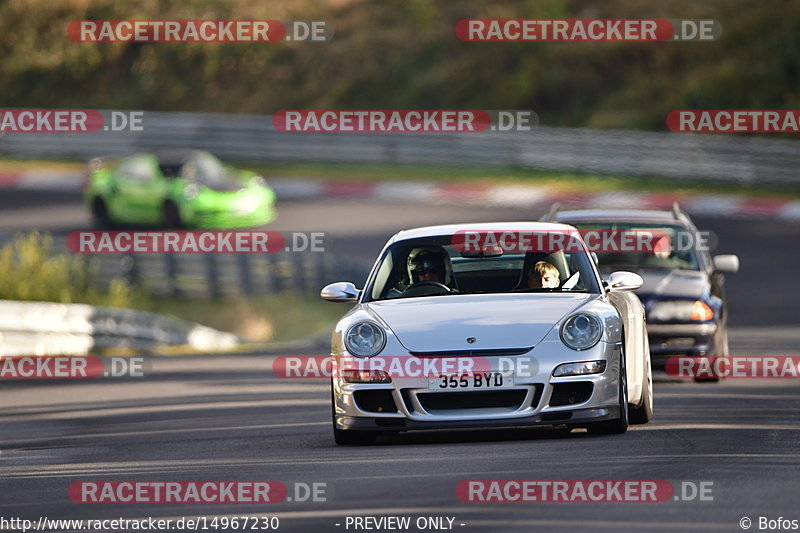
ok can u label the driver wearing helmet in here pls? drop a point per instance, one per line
(426, 265)
(431, 265)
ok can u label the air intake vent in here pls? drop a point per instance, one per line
(571, 393)
(375, 401)
(471, 400)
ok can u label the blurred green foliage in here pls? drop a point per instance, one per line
(32, 271)
(404, 54)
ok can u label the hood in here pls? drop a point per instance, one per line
(443, 323)
(667, 284)
(223, 185)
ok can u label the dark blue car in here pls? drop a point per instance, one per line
(684, 286)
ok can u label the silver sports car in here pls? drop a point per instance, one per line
(488, 325)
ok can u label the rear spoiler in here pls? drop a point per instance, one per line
(100, 162)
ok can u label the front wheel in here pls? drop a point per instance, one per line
(100, 216)
(172, 216)
(721, 351)
(642, 413)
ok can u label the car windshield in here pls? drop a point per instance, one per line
(676, 250)
(206, 169)
(433, 266)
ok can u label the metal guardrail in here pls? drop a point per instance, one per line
(44, 328)
(229, 275)
(724, 158)
(225, 275)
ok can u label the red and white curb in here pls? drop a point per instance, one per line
(54, 180)
(727, 205)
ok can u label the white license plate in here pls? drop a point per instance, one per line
(476, 381)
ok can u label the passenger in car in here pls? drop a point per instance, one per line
(543, 275)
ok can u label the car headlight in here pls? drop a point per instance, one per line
(365, 339)
(683, 310)
(701, 311)
(579, 369)
(581, 331)
(248, 204)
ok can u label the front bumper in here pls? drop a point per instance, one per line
(575, 417)
(693, 340)
(232, 219)
(536, 397)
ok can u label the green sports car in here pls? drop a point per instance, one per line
(177, 189)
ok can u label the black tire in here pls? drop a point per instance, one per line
(619, 425)
(100, 216)
(172, 216)
(353, 438)
(707, 380)
(721, 351)
(350, 437)
(643, 413)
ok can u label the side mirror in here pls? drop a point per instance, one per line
(727, 264)
(624, 281)
(341, 291)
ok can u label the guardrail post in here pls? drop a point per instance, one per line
(276, 282)
(212, 276)
(299, 273)
(130, 269)
(321, 271)
(244, 274)
(171, 267)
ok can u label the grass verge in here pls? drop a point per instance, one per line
(566, 181)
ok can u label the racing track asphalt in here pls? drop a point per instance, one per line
(228, 417)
